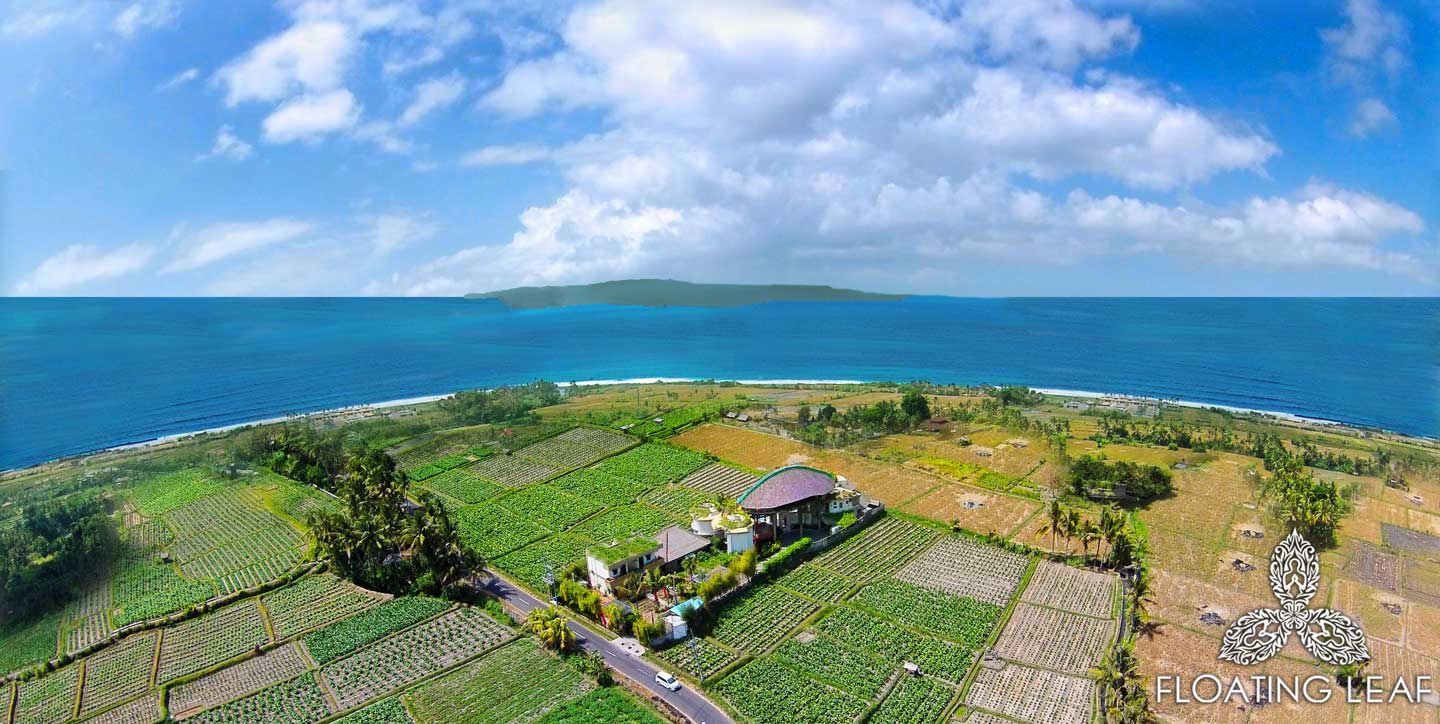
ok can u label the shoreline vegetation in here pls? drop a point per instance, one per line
(671, 293)
(426, 399)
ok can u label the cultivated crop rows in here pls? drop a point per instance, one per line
(705, 657)
(624, 522)
(597, 486)
(896, 643)
(145, 588)
(1060, 586)
(412, 654)
(517, 683)
(268, 542)
(372, 625)
(49, 699)
(202, 642)
(765, 692)
(298, 701)
(548, 506)
(298, 500)
(162, 493)
(984, 717)
(560, 453)
(721, 480)
(528, 564)
(964, 620)
(826, 660)
(511, 471)
(678, 500)
(913, 701)
(312, 602)
(88, 630)
(878, 550)
(815, 583)
(218, 520)
(494, 531)
(1054, 639)
(602, 440)
(653, 464)
(257, 573)
(463, 485)
(6, 694)
(145, 710)
(119, 672)
(963, 567)
(242, 679)
(760, 617)
(385, 711)
(610, 705)
(152, 535)
(1032, 695)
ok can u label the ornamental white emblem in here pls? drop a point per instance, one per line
(1294, 576)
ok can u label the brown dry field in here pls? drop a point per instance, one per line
(1422, 628)
(1174, 651)
(1181, 600)
(1362, 603)
(1364, 522)
(753, 449)
(1000, 514)
(1335, 711)
(1178, 554)
(1254, 582)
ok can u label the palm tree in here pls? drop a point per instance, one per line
(1140, 596)
(1072, 526)
(550, 627)
(1089, 533)
(1055, 518)
(1112, 526)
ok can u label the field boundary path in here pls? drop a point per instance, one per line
(694, 705)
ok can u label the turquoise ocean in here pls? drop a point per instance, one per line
(82, 374)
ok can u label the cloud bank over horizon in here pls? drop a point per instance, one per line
(407, 147)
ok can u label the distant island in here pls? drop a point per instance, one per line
(671, 293)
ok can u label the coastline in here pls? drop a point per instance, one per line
(402, 402)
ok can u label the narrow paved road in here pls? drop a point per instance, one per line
(689, 702)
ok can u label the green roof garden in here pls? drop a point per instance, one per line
(632, 548)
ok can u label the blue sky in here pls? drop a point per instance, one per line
(987, 147)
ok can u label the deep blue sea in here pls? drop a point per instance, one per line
(83, 374)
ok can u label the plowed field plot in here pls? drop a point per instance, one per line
(49, 699)
(217, 521)
(751, 449)
(984, 717)
(953, 618)
(279, 543)
(1055, 639)
(873, 635)
(1410, 541)
(602, 440)
(1422, 581)
(766, 692)
(825, 660)
(720, 480)
(548, 506)
(314, 602)
(815, 583)
(624, 522)
(516, 683)
(145, 710)
(298, 701)
(760, 617)
(494, 531)
(875, 552)
(914, 701)
(560, 453)
(412, 655)
(982, 511)
(86, 631)
(705, 657)
(678, 500)
(1375, 567)
(462, 485)
(118, 672)
(512, 472)
(1060, 586)
(1032, 695)
(962, 567)
(599, 487)
(86, 620)
(233, 682)
(202, 642)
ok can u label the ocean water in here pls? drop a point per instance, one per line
(82, 374)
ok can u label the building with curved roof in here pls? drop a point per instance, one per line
(785, 487)
(797, 498)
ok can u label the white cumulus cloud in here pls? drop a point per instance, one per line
(308, 117)
(227, 146)
(81, 264)
(433, 95)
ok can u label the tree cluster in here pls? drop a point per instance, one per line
(1094, 472)
(1118, 427)
(56, 549)
(301, 452)
(376, 543)
(502, 404)
(1117, 545)
(1314, 507)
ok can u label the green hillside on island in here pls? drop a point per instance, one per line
(671, 293)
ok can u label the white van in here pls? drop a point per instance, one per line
(668, 681)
